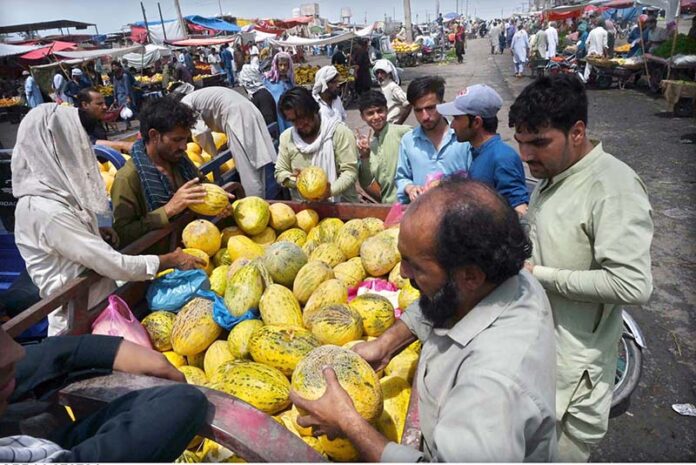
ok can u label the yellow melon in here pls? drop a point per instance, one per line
(282, 217)
(307, 219)
(194, 328)
(159, 327)
(238, 339)
(202, 235)
(312, 183)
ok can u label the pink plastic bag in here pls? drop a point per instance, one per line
(396, 212)
(118, 320)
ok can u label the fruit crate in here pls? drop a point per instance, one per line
(226, 413)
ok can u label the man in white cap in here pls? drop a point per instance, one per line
(494, 162)
(31, 90)
(398, 107)
(77, 82)
(326, 91)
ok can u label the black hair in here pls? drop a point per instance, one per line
(556, 102)
(479, 228)
(490, 125)
(298, 99)
(371, 98)
(423, 86)
(83, 96)
(116, 64)
(165, 115)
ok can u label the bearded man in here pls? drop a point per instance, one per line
(486, 386)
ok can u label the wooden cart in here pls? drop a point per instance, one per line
(250, 433)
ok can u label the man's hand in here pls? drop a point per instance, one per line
(327, 193)
(363, 142)
(190, 193)
(374, 353)
(138, 360)
(529, 266)
(330, 412)
(181, 260)
(109, 235)
(413, 191)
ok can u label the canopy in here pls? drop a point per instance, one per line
(213, 23)
(43, 52)
(151, 54)
(42, 26)
(671, 7)
(91, 54)
(203, 42)
(294, 41)
(171, 27)
(7, 50)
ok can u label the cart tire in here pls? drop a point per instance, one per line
(604, 82)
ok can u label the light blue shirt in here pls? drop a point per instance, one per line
(419, 158)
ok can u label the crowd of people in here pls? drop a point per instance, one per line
(546, 274)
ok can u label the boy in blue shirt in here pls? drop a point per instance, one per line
(495, 163)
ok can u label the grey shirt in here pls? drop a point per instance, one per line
(486, 386)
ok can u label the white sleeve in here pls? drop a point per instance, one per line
(71, 239)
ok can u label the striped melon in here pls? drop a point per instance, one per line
(329, 292)
(266, 237)
(175, 359)
(310, 245)
(379, 254)
(278, 306)
(309, 278)
(229, 231)
(238, 339)
(312, 183)
(243, 247)
(397, 395)
(294, 235)
(350, 273)
(202, 235)
(403, 365)
(196, 360)
(260, 385)
(282, 216)
(252, 215)
(193, 375)
(351, 236)
(354, 374)
(244, 290)
(217, 354)
(221, 257)
(218, 280)
(283, 261)
(407, 295)
(329, 228)
(373, 225)
(335, 324)
(339, 449)
(281, 347)
(202, 255)
(235, 266)
(395, 276)
(188, 456)
(214, 203)
(304, 431)
(328, 253)
(307, 219)
(194, 328)
(376, 311)
(159, 327)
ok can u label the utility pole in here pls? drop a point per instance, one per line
(182, 23)
(437, 8)
(164, 30)
(407, 20)
(147, 28)
(220, 6)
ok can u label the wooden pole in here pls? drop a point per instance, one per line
(642, 47)
(147, 28)
(164, 30)
(407, 20)
(674, 45)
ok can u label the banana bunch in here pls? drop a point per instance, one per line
(405, 47)
(105, 90)
(304, 74)
(345, 72)
(9, 102)
(154, 79)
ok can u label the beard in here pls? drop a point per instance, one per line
(442, 306)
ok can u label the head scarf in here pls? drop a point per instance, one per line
(274, 75)
(250, 77)
(388, 67)
(322, 78)
(53, 158)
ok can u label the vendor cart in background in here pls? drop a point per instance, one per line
(677, 68)
(606, 71)
(680, 97)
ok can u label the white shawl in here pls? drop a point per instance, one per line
(53, 158)
(321, 149)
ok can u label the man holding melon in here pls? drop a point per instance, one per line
(318, 157)
(486, 375)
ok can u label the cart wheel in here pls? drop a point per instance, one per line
(604, 81)
(684, 108)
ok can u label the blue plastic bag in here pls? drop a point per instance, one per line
(221, 315)
(173, 290)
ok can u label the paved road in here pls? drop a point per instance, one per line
(634, 127)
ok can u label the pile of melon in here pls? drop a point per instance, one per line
(296, 270)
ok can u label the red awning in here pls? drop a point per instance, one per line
(43, 52)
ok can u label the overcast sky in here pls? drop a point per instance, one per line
(111, 15)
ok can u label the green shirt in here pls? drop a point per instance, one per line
(591, 230)
(132, 220)
(384, 156)
(345, 155)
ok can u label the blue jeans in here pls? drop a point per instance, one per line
(230, 76)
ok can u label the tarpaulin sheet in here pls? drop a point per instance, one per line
(43, 52)
(143, 60)
(7, 50)
(293, 41)
(90, 54)
(203, 42)
(171, 27)
(213, 23)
